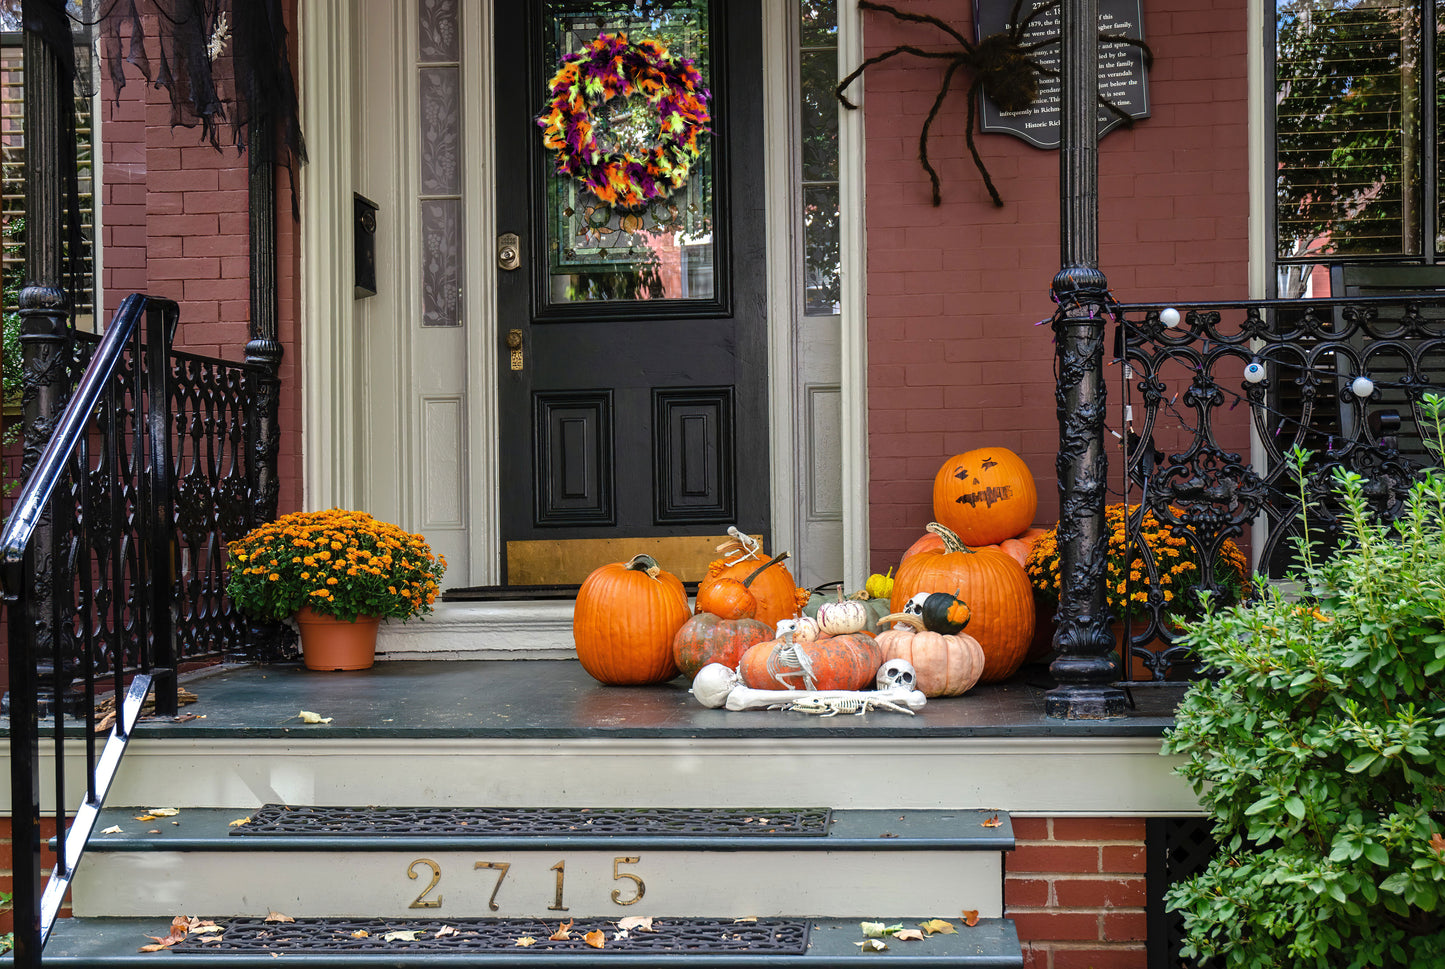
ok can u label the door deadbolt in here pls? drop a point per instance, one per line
(509, 251)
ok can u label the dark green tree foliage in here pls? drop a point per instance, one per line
(1346, 125)
(1320, 754)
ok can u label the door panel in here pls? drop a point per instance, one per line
(637, 415)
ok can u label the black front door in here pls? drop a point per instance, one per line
(633, 379)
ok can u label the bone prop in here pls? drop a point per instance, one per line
(746, 698)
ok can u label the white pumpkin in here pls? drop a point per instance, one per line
(843, 617)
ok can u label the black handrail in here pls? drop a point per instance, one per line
(36, 660)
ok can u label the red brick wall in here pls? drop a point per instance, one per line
(47, 831)
(954, 358)
(176, 224)
(1074, 888)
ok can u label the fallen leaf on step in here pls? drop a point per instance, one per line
(154, 831)
(564, 932)
(596, 938)
(992, 822)
(308, 717)
(163, 812)
(401, 935)
(872, 945)
(749, 918)
(361, 934)
(238, 822)
(113, 829)
(877, 930)
(445, 931)
(909, 935)
(938, 925)
(180, 925)
(278, 917)
(970, 917)
(642, 923)
(209, 928)
(526, 940)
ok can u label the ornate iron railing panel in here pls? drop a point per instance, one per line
(1217, 396)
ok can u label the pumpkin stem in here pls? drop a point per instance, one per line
(642, 562)
(903, 619)
(951, 542)
(766, 565)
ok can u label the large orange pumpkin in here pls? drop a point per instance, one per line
(835, 663)
(773, 587)
(709, 638)
(1016, 548)
(625, 619)
(947, 665)
(995, 587)
(985, 496)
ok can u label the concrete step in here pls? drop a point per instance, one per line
(108, 943)
(557, 863)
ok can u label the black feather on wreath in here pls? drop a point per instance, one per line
(1001, 64)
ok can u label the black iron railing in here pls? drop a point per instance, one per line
(113, 565)
(1215, 399)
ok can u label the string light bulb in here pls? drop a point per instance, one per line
(1169, 316)
(1362, 386)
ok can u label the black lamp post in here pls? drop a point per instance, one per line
(1085, 668)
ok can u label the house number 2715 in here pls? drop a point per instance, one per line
(628, 895)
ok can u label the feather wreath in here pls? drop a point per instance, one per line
(626, 172)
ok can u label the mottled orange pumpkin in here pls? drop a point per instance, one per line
(947, 665)
(625, 619)
(985, 496)
(847, 662)
(995, 587)
(709, 638)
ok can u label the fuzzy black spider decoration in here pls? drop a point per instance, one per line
(1002, 65)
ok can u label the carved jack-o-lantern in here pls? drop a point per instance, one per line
(985, 496)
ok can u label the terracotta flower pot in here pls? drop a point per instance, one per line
(328, 643)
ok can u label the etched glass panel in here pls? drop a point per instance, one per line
(441, 107)
(437, 30)
(441, 224)
(663, 247)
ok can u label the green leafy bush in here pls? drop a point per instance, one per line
(1319, 753)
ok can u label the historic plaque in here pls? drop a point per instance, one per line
(1121, 68)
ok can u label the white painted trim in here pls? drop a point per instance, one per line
(1070, 774)
(780, 198)
(483, 630)
(480, 301)
(328, 363)
(854, 250)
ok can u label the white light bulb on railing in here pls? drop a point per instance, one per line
(1362, 386)
(1169, 316)
(1254, 372)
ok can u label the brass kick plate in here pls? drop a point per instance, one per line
(568, 562)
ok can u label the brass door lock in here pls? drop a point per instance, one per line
(509, 251)
(514, 344)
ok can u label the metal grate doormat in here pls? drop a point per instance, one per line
(1175, 849)
(385, 936)
(282, 819)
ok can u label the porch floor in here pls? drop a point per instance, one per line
(557, 698)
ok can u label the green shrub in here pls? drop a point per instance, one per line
(1318, 753)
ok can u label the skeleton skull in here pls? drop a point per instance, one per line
(897, 674)
(914, 606)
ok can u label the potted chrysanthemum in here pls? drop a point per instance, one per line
(337, 573)
(1177, 570)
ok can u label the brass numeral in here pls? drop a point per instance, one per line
(436, 876)
(561, 869)
(501, 869)
(618, 876)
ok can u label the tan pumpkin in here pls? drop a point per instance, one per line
(947, 665)
(624, 621)
(995, 587)
(985, 495)
(847, 662)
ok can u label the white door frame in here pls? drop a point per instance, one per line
(331, 453)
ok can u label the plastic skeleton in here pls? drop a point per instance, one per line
(718, 686)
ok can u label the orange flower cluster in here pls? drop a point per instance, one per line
(340, 563)
(1128, 586)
